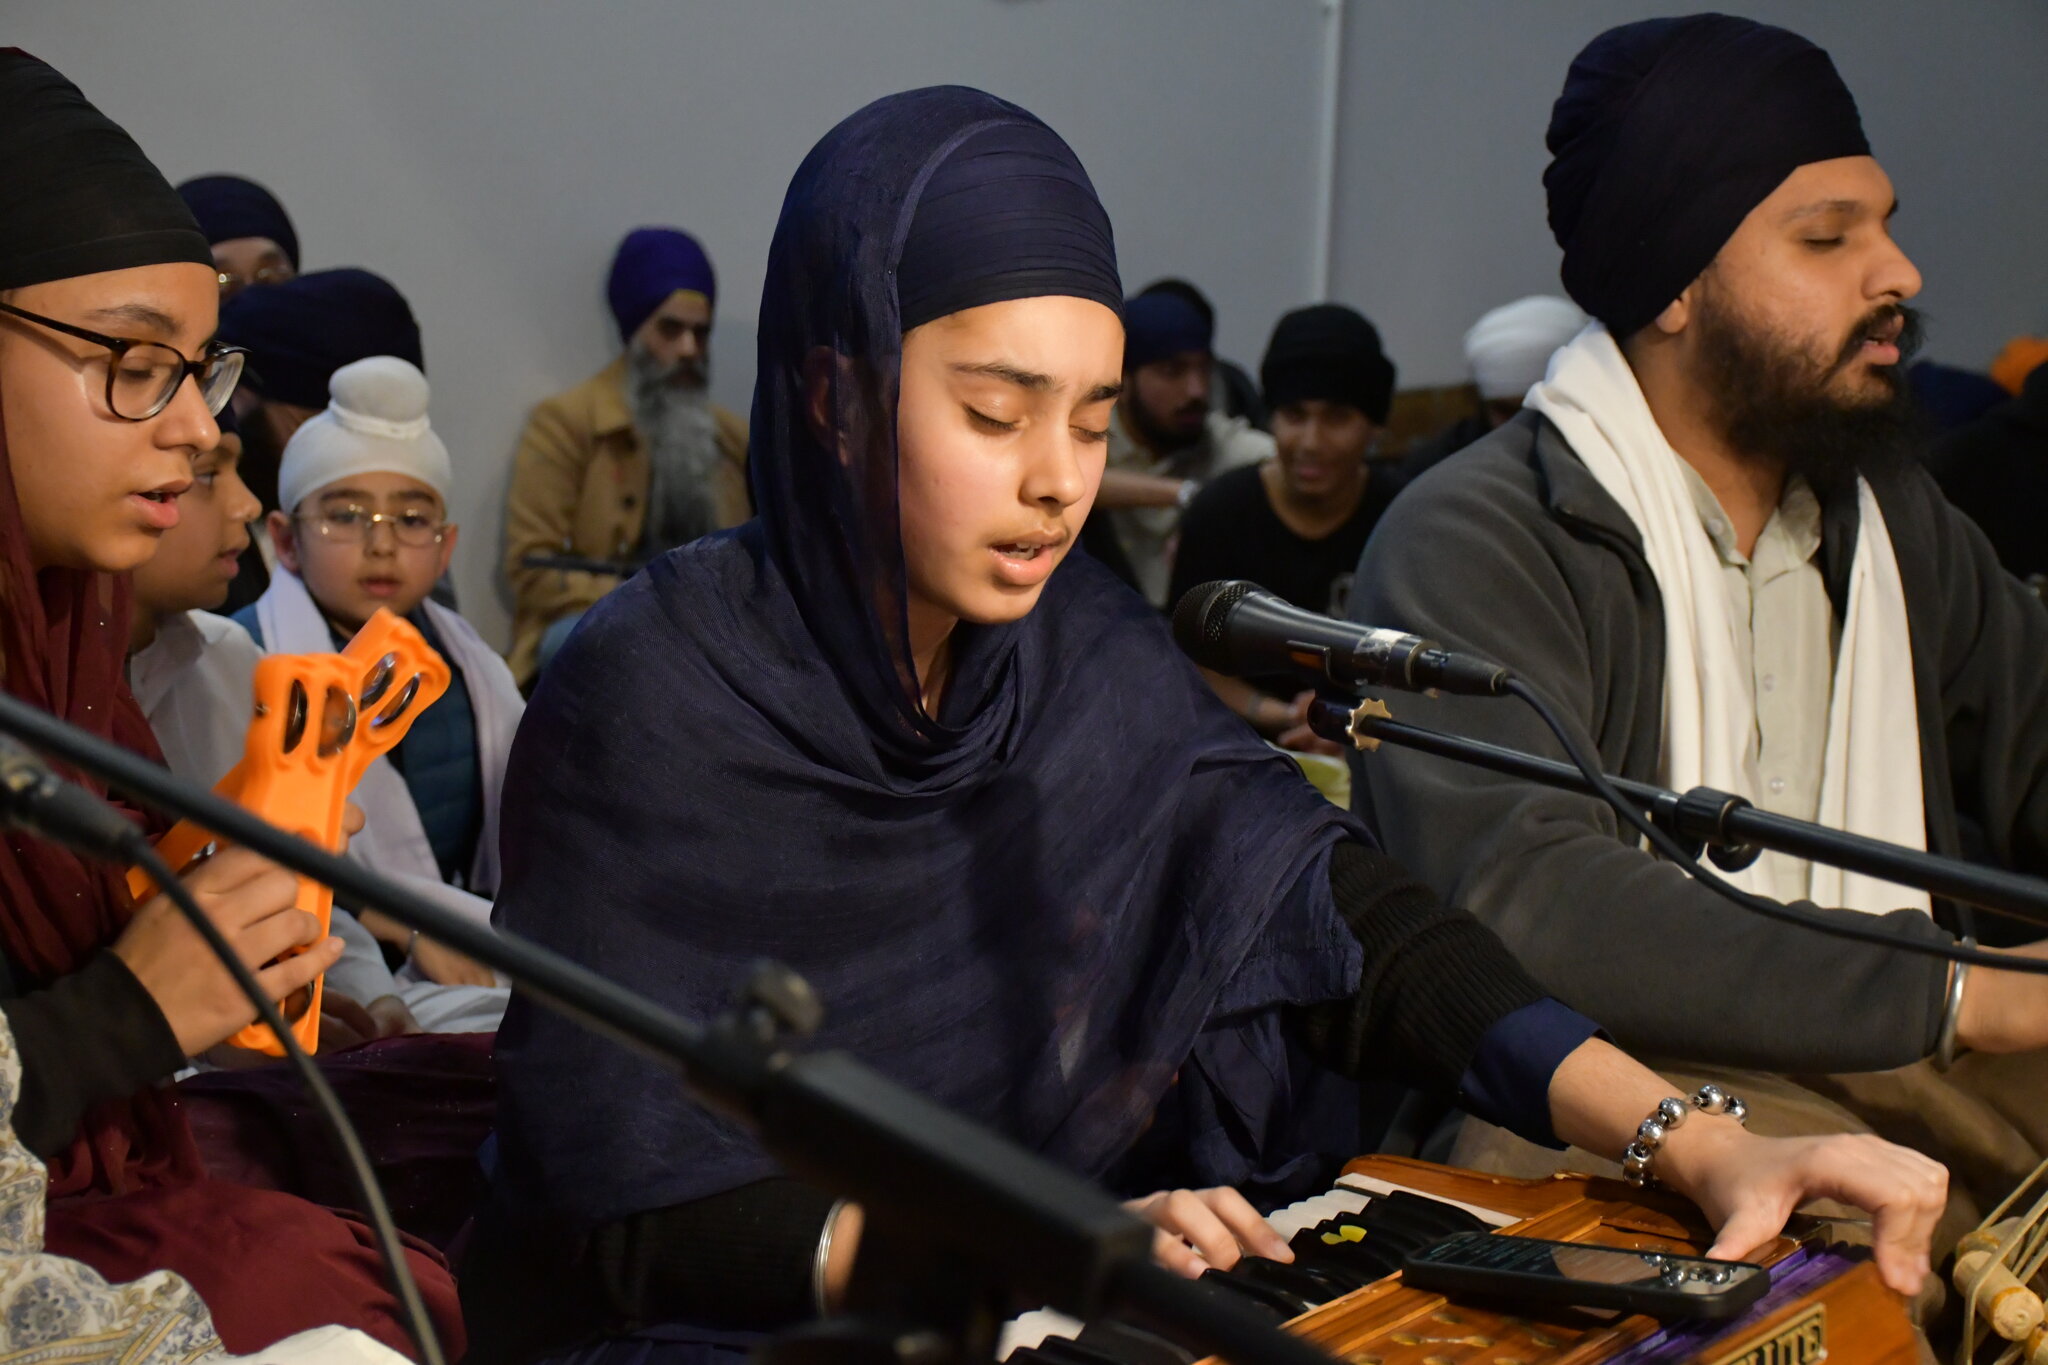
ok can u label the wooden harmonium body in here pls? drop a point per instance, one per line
(1826, 1301)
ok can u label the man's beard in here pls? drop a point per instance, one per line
(1183, 428)
(676, 422)
(1773, 401)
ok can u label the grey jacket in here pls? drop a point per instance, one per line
(1511, 549)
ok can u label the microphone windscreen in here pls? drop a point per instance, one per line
(1199, 619)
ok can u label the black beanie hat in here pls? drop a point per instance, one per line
(1328, 352)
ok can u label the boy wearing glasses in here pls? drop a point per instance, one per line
(362, 524)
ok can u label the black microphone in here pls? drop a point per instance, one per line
(34, 800)
(1240, 629)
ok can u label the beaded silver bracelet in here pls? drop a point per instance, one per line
(1639, 1161)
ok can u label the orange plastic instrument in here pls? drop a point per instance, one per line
(303, 758)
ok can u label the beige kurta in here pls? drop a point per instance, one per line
(1785, 636)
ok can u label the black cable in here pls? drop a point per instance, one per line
(346, 1141)
(1762, 905)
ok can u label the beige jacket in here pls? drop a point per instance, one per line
(579, 487)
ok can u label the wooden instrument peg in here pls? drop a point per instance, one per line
(2012, 1309)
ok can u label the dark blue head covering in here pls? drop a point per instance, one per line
(1668, 132)
(229, 207)
(1030, 906)
(650, 264)
(1042, 230)
(1161, 325)
(300, 331)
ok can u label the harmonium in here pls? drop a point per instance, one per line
(1344, 1291)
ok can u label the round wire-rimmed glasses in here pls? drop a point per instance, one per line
(143, 376)
(413, 528)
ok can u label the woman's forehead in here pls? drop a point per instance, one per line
(1045, 342)
(175, 303)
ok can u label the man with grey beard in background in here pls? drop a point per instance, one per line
(635, 460)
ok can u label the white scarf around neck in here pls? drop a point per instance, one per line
(1870, 776)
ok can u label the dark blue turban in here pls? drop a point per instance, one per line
(1158, 326)
(652, 263)
(229, 207)
(77, 196)
(1668, 133)
(301, 331)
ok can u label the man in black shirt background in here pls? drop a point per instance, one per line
(1296, 524)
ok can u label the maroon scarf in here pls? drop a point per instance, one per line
(63, 640)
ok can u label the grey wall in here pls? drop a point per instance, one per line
(485, 155)
(1439, 192)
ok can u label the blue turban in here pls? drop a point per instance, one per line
(229, 207)
(301, 331)
(651, 264)
(1157, 326)
(1668, 133)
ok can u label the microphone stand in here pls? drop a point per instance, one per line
(1733, 832)
(958, 1215)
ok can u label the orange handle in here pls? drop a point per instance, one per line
(320, 721)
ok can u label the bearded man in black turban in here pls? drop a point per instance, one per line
(1702, 539)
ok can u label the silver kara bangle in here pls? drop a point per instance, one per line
(1952, 1012)
(824, 1258)
(1638, 1163)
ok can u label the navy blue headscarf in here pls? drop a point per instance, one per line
(1035, 906)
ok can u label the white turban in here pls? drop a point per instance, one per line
(1509, 348)
(375, 422)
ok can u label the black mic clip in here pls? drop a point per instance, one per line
(1698, 819)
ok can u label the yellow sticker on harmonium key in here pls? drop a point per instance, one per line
(1350, 1232)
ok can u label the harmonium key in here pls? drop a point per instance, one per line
(1343, 1288)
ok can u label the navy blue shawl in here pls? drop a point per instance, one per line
(1037, 906)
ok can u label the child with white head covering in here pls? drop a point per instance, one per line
(362, 524)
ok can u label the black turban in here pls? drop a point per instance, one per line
(301, 331)
(229, 207)
(1668, 133)
(77, 196)
(1330, 353)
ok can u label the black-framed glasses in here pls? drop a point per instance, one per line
(143, 376)
(348, 525)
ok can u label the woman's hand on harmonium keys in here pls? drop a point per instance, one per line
(1748, 1186)
(1200, 1229)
